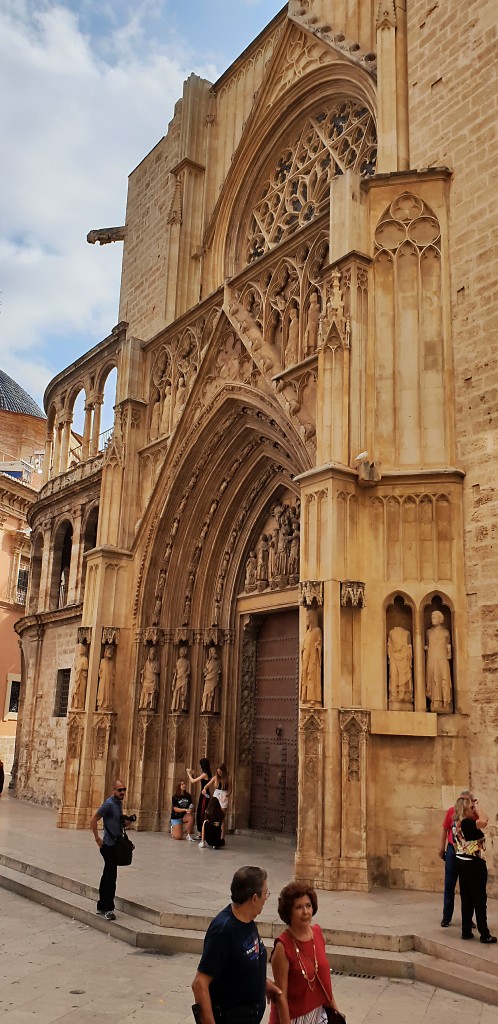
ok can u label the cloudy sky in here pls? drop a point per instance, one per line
(87, 88)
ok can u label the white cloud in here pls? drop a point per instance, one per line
(72, 129)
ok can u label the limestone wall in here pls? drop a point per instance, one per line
(144, 274)
(41, 764)
(453, 108)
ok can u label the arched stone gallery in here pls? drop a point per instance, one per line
(264, 562)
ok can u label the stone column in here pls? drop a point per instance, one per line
(66, 440)
(47, 558)
(57, 449)
(87, 430)
(76, 557)
(47, 458)
(97, 412)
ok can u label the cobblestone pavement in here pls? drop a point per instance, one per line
(53, 969)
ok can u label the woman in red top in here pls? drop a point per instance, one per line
(299, 961)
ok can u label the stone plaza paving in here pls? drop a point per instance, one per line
(52, 967)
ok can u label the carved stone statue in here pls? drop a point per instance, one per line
(80, 677)
(166, 413)
(437, 671)
(181, 681)
(154, 420)
(263, 559)
(105, 689)
(210, 703)
(292, 349)
(294, 552)
(158, 597)
(311, 333)
(311, 661)
(282, 558)
(149, 679)
(400, 654)
(181, 398)
(272, 554)
(251, 568)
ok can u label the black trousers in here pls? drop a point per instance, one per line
(473, 876)
(107, 887)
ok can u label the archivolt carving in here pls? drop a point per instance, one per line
(329, 143)
(247, 691)
(174, 368)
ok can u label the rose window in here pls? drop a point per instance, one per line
(298, 189)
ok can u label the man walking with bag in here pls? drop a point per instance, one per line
(112, 812)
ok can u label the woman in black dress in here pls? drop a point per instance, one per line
(204, 778)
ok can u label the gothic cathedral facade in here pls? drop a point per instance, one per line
(282, 559)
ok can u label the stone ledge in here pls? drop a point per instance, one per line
(403, 723)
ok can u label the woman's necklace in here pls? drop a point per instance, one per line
(311, 981)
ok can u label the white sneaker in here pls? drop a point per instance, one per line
(201, 845)
(110, 916)
(190, 839)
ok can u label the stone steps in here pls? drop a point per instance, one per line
(472, 972)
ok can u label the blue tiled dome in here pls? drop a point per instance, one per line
(13, 398)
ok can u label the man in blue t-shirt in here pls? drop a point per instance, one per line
(111, 811)
(231, 985)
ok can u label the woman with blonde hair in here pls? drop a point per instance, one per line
(299, 963)
(468, 838)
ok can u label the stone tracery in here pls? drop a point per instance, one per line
(297, 190)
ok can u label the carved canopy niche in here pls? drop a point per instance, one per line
(297, 186)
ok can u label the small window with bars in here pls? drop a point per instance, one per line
(22, 581)
(62, 692)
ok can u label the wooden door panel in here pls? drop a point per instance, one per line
(274, 768)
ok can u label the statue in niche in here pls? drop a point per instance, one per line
(149, 679)
(311, 660)
(158, 597)
(251, 569)
(80, 677)
(400, 654)
(181, 398)
(312, 324)
(154, 420)
(437, 670)
(210, 703)
(292, 349)
(181, 682)
(263, 560)
(105, 688)
(166, 413)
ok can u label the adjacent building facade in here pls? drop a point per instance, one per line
(22, 441)
(284, 557)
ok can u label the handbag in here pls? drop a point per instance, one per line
(333, 1016)
(124, 850)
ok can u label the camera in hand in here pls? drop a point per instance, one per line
(127, 819)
